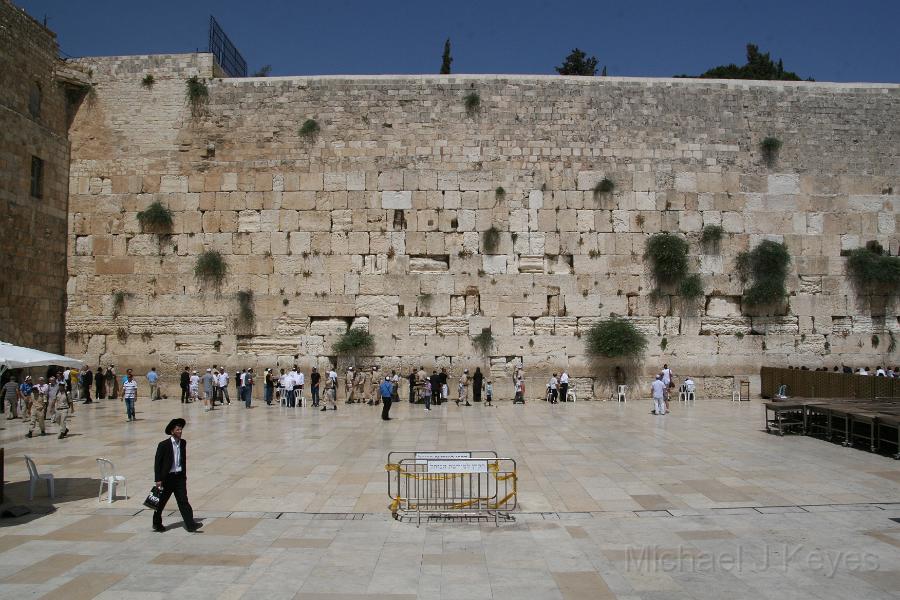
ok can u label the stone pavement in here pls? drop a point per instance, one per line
(614, 503)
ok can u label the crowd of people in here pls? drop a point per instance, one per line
(890, 372)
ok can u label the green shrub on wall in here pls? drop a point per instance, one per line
(615, 338)
(156, 218)
(766, 266)
(872, 271)
(769, 147)
(211, 268)
(197, 94)
(246, 313)
(484, 341)
(691, 287)
(309, 130)
(354, 342)
(490, 239)
(667, 254)
(472, 102)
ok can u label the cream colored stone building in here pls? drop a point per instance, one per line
(378, 220)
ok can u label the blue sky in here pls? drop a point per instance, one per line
(829, 40)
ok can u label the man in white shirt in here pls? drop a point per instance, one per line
(657, 390)
(553, 388)
(564, 386)
(223, 386)
(129, 394)
(863, 371)
(289, 383)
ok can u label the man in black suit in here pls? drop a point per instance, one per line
(170, 475)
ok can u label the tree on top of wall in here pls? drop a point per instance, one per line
(759, 66)
(446, 59)
(578, 63)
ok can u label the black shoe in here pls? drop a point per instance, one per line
(467, 404)
(335, 408)
(323, 409)
(28, 435)
(159, 529)
(386, 419)
(197, 525)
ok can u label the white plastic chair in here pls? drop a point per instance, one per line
(109, 478)
(686, 393)
(621, 391)
(570, 393)
(34, 477)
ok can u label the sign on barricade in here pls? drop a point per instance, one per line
(452, 484)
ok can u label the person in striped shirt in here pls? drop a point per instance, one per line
(129, 394)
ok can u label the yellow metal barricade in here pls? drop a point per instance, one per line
(456, 486)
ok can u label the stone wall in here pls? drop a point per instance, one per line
(33, 237)
(379, 219)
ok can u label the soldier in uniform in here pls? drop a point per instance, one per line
(38, 408)
(348, 385)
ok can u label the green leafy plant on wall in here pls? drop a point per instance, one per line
(472, 102)
(118, 302)
(872, 271)
(309, 130)
(500, 193)
(490, 239)
(156, 218)
(711, 237)
(766, 266)
(211, 269)
(148, 81)
(615, 338)
(484, 341)
(769, 147)
(354, 342)
(246, 313)
(691, 287)
(197, 94)
(604, 186)
(667, 254)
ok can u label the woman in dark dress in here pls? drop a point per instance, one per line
(477, 381)
(100, 382)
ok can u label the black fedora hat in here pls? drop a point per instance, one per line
(173, 424)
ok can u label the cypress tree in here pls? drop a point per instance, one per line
(446, 59)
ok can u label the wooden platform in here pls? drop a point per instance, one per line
(865, 423)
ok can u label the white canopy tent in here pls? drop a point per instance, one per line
(19, 357)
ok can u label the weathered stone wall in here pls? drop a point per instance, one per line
(379, 219)
(33, 236)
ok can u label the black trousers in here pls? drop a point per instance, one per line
(564, 392)
(385, 408)
(175, 483)
(184, 393)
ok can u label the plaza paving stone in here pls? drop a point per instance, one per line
(613, 503)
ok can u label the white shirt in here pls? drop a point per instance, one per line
(553, 383)
(195, 380)
(564, 378)
(666, 376)
(689, 384)
(176, 448)
(332, 374)
(658, 388)
(862, 371)
(223, 379)
(300, 379)
(880, 373)
(291, 380)
(130, 388)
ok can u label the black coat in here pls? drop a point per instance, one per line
(185, 381)
(165, 458)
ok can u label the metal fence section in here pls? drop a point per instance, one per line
(226, 53)
(450, 484)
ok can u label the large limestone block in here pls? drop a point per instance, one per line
(293, 325)
(248, 221)
(377, 305)
(453, 325)
(328, 326)
(192, 325)
(531, 264)
(723, 306)
(494, 263)
(396, 200)
(301, 200)
(778, 325)
(422, 326)
(784, 183)
(725, 326)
